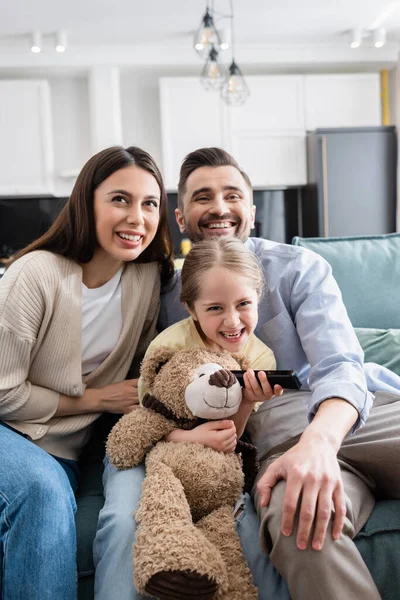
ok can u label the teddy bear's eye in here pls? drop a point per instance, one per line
(201, 374)
(160, 365)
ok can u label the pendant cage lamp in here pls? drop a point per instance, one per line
(206, 36)
(235, 90)
(213, 74)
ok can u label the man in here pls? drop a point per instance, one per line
(314, 491)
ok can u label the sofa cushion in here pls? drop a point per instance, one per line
(367, 270)
(379, 545)
(381, 346)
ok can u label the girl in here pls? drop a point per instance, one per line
(75, 306)
(221, 286)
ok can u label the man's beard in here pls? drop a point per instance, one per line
(242, 230)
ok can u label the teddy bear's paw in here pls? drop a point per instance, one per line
(169, 585)
(179, 548)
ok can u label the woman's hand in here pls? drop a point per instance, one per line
(255, 391)
(218, 435)
(121, 397)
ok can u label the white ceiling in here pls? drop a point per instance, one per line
(122, 22)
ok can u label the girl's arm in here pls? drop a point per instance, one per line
(218, 435)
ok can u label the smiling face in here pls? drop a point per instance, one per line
(217, 201)
(126, 212)
(225, 312)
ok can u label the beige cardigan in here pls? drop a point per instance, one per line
(40, 344)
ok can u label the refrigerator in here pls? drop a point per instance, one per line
(351, 175)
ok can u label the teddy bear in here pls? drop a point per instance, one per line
(186, 542)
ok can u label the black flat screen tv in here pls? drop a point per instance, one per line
(24, 219)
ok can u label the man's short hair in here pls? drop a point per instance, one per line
(205, 157)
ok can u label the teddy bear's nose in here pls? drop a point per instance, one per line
(222, 378)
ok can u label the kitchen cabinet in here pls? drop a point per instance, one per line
(26, 139)
(267, 134)
(191, 118)
(342, 100)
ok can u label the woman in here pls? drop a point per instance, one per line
(75, 306)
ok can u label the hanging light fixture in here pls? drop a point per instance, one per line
(206, 35)
(234, 90)
(213, 75)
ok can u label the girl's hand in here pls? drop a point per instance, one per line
(218, 435)
(258, 392)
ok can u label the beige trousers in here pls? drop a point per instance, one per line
(370, 465)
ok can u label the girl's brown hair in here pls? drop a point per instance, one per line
(73, 233)
(229, 253)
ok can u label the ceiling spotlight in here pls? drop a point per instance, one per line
(355, 38)
(379, 37)
(36, 42)
(225, 39)
(61, 41)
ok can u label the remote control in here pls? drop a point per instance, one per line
(286, 379)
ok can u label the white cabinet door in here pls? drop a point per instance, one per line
(276, 103)
(191, 118)
(267, 133)
(26, 145)
(342, 100)
(272, 159)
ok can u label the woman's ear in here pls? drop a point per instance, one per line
(191, 311)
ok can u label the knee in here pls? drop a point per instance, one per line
(47, 486)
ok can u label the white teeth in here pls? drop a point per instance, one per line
(231, 335)
(218, 225)
(131, 238)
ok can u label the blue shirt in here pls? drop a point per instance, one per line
(303, 320)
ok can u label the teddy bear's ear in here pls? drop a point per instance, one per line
(242, 360)
(152, 363)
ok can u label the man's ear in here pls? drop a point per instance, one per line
(191, 311)
(180, 220)
(253, 215)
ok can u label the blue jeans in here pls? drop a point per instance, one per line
(116, 531)
(37, 528)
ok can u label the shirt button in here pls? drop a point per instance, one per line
(75, 389)
(40, 430)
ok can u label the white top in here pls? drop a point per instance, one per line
(101, 322)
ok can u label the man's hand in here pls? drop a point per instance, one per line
(313, 478)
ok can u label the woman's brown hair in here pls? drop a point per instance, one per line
(73, 233)
(229, 253)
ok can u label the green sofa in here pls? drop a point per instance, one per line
(367, 270)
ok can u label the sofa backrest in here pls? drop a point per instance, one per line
(367, 270)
